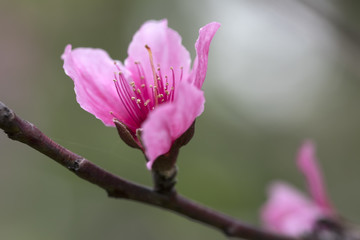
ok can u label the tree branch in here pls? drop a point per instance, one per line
(25, 132)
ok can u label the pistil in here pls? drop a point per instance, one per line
(154, 74)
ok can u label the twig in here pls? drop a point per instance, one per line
(25, 132)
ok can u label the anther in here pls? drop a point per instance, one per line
(112, 114)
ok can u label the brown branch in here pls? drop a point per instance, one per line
(25, 132)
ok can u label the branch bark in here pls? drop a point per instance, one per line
(25, 132)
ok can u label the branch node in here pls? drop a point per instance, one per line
(165, 180)
(230, 230)
(76, 165)
(6, 115)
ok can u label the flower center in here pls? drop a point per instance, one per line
(140, 96)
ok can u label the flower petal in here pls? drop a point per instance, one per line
(288, 211)
(167, 52)
(306, 162)
(202, 46)
(169, 121)
(92, 71)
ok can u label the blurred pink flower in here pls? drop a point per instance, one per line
(155, 89)
(290, 212)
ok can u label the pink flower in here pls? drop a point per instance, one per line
(154, 90)
(290, 212)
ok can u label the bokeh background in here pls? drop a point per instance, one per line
(279, 72)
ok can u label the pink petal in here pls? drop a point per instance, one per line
(167, 50)
(307, 163)
(202, 46)
(169, 121)
(92, 71)
(288, 211)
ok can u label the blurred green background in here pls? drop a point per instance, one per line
(279, 72)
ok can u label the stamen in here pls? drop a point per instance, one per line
(112, 114)
(160, 81)
(181, 74)
(173, 82)
(143, 82)
(138, 96)
(122, 97)
(133, 106)
(117, 66)
(140, 72)
(146, 102)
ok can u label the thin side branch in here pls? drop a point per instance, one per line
(25, 132)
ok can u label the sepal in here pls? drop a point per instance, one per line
(167, 161)
(126, 135)
(164, 169)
